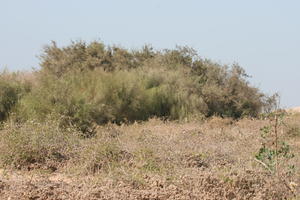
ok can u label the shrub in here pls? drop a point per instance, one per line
(8, 98)
(101, 155)
(90, 84)
(98, 97)
(81, 56)
(228, 94)
(11, 91)
(35, 144)
(274, 152)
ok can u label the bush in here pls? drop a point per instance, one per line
(98, 97)
(11, 91)
(228, 94)
(8, 98)
(101, 155)
(35, 144)
(89, 84)
(80, 56)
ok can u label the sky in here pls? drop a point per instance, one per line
(263, 36)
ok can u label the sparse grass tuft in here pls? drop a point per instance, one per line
(101, 156)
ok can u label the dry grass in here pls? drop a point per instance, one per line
(294, 110)
(211, 159)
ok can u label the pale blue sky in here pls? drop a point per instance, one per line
(263, 36)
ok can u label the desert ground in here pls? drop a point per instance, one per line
(207, 159)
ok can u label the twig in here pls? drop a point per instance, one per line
(276, 141)
(263, 164)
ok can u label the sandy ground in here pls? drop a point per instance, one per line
(294, 110)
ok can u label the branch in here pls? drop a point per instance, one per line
(263, 164)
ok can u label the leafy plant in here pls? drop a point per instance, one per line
(273, 151)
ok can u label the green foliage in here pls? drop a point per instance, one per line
(80, 57)
(98, 97)
(8, 98)
(268, 154)
(89, 84)
(11, 91)
(273, 151)
(228, 94)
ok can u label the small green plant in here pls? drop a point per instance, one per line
(273, 151)
(269, 155)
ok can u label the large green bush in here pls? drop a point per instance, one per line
(97, 97)
(88, 84)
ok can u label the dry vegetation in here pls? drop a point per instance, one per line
(294, 110)
(212, 159)
(98, 122)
